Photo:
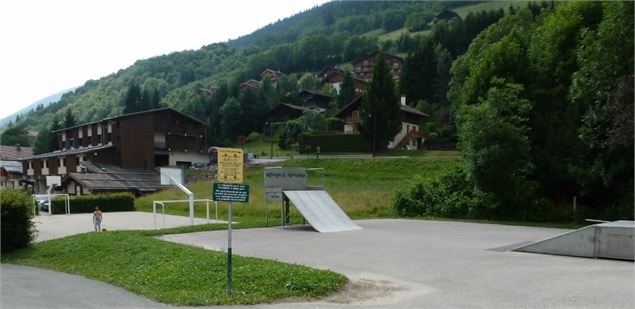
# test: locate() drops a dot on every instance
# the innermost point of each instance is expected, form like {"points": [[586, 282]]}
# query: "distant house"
{"points": [[250, 84], [284, 112], [10, 174], [11, 153], [142, 140], [409, 137], [447, 15], [335, 77], [363, 67], [315, 100], [272, 75]]}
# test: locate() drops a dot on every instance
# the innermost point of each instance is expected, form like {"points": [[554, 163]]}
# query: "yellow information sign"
{"points": [[230, 165]]}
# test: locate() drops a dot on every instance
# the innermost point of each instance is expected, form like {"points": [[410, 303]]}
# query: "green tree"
{"points": [[14, 135], [232, 119], [417, 80], [309, 81], [493, 136], [46, 140], [69, 119], [132, 100], [380, 114], [347, 90]]}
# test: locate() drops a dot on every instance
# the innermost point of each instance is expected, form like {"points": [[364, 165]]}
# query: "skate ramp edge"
{"points": [[611, 240]]}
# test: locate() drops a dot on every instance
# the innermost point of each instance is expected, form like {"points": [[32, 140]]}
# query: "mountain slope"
{"points": [[304, 42]]}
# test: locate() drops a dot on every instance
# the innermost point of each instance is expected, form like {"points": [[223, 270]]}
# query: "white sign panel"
{"points": [[174, 172], [286, 178], [53, 180]]}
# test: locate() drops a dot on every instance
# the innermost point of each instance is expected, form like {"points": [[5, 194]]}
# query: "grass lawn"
{"points": [[173, 273], [262, 147], [362, 187]]}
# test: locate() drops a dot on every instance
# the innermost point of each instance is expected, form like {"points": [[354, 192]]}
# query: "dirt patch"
{"points": [[366, 291]]}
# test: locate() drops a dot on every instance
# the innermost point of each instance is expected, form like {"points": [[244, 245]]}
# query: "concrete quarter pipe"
{"points": [[321, 211]]}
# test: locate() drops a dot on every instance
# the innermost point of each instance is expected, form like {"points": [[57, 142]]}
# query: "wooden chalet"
{"points": [[284, 112], [409, 137], [363, 67], [315, 100], [335, 78], [272, 75], [250, 84]]}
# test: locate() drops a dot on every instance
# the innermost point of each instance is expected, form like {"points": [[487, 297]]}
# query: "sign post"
{"points": [[230, 189]]}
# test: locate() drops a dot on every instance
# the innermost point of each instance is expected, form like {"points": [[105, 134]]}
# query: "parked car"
{"points": [[44, 205], [198, 165]]}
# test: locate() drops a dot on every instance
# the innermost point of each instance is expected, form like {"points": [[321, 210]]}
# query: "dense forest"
{"points": [[543, 102]]}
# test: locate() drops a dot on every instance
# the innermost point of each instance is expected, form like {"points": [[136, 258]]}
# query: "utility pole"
{"points": [[374, 134]]}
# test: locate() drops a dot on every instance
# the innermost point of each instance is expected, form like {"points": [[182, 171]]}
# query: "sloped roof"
{"points": [[315, 93], [150, 111], [375, 54], [106, 177], [69, 152], [357, 101], [12, 166], [14, 153]]}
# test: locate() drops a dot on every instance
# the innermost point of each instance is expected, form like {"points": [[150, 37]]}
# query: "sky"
{"points": [[49, 46]]}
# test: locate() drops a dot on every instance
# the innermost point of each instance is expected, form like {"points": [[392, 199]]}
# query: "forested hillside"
{"points": [[331, 34], [544, 109]]}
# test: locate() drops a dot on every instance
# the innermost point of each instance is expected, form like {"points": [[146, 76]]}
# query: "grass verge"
{"points": [[173, 273]]}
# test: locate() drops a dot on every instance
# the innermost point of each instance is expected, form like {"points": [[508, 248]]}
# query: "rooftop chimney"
{"points": [[403, 100]]}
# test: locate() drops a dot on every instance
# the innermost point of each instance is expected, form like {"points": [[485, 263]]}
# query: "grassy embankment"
{"points": [[173, 273], [362, 187]]}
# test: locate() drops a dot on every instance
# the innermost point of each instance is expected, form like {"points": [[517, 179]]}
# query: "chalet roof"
{"points": [[357, 101], [69, 152], [447, 15], [106, 177], [373, 55], [14, 152], [250, 83], [314, 92], [291, 106], [14, 167], [150, 111], [270, 71], [329, 71]]}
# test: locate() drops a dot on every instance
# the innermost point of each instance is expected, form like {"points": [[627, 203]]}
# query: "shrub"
{"points": [[450, 195], [335, 124], [18, 231], [107, 202], [252, 137]]}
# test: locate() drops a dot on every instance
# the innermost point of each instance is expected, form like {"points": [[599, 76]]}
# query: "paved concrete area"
{"points": [[391, 263], [434, 264], [56, 226], [28, 287]]}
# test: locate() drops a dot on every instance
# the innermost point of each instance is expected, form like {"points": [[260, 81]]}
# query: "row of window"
{"points": [[89, 141], [61, 162]]}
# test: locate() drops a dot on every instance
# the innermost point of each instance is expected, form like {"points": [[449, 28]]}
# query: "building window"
{"points": [[63, 145], [109, 137], [89, 140], [80, 142], [71, 142], [99, 139], [407, 128]]}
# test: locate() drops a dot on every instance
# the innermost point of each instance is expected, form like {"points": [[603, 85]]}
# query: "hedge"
{"points": [[18, 230], [333, 143], [106, 202]]}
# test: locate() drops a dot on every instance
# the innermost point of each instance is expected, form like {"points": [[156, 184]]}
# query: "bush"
{"points": [[106, 202], [335, 124], [18, 231], [451, 196], [252, 137], [333, 143]]}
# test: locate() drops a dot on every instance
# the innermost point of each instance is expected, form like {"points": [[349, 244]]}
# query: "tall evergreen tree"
{"points": [[156, 99], [132, 101], [69, 119], [232, 119], [146, 101], [380, 115], [419, 74], [347, 90], [46, 140]]}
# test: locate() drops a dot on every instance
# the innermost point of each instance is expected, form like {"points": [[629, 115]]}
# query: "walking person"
{"points": [[97, 216]]}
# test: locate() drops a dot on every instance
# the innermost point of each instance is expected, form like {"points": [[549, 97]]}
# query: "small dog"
{"points": [[103, 229]]}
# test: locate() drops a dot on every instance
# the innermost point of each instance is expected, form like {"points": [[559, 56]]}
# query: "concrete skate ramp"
{"points": [[321, 211], [611, 240]]}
